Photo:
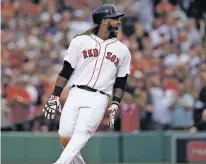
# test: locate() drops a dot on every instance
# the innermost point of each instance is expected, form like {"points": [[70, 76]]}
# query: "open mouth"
{"points": [[116, 28]]}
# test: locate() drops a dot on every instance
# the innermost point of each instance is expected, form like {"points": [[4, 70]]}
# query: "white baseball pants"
{"points": [[82, 113]]}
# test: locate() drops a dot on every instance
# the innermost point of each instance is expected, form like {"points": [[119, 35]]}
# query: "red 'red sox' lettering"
{"points": [[94, 53], [113, 58], [90, 53], [109, 54]]}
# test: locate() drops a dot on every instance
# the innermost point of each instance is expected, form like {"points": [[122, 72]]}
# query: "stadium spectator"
{"points": [[161, 101], [5, 120], [19, 102], [200, 103], [182, 114], [201, 125], [130, 114], [143, 100]]}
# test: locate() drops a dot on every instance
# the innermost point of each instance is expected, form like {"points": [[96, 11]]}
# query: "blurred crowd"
{"points": [[167, 41]]}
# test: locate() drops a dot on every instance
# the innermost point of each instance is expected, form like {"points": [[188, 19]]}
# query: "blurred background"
{"points": [[166, 91]]}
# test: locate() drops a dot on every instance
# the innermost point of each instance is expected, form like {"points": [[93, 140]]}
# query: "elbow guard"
{"points": [[66, 71], [121, 82]]}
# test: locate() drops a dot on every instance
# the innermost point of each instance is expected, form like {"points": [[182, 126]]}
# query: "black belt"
{"points": [[88, 88]]}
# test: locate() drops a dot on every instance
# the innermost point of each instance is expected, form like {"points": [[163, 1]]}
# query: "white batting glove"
{"points": [[51, 106], [112, 112]]}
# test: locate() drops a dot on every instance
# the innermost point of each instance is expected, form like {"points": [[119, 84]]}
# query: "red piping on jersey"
{"points": [[102, 61], [96, 60]]}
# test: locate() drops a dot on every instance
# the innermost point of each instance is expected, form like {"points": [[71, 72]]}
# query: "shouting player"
{"points": [[96, 66]]}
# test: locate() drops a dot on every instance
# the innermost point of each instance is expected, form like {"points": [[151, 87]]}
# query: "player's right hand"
{"points": [[51, 106]]}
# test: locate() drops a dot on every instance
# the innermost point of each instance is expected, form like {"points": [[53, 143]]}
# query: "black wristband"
{"points": [[116, 100], [57, 91]]}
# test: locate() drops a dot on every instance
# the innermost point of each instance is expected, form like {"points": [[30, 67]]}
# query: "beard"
{"points": [[112, 31]]}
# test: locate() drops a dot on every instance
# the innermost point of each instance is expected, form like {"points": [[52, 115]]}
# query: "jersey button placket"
{"points": [[98, 65], [96, 72]]}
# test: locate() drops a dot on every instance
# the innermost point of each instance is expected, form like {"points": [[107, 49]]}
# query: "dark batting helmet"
{"points": [[105, 11]]}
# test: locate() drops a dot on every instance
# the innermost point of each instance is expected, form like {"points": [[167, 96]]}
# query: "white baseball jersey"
{"points": [[96, 62]]}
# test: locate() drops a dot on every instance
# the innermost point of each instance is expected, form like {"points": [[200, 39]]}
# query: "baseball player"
{"points": [[96, 66]]}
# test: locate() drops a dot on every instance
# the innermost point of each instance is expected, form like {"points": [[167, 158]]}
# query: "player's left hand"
{"points": [[112, 112]]}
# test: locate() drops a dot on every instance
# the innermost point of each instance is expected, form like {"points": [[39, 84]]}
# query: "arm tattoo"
{"points": [[118, 92], [60, 84], [61, 81], [117, 96]]}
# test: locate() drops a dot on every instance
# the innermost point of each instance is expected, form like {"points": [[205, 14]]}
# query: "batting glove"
{"points": [[51, 106], [112, 112]]}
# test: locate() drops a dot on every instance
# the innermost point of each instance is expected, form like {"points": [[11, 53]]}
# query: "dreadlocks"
{"points": [[93, 30]]}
